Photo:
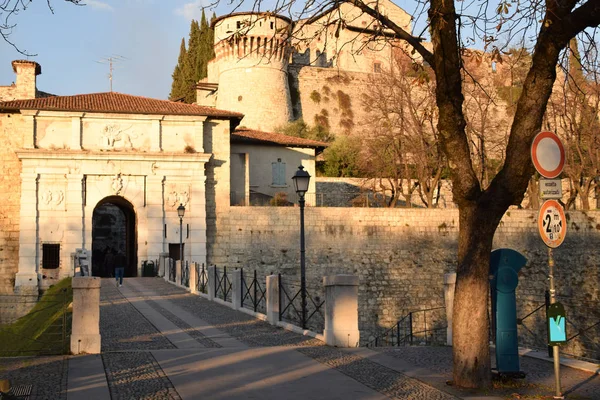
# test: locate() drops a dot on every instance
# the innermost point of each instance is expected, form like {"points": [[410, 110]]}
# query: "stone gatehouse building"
{"points": [[93, 173]]}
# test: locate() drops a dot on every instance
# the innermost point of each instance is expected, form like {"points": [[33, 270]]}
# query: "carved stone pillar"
{"points": [[74, 220], [155, 215], [26, 280]]}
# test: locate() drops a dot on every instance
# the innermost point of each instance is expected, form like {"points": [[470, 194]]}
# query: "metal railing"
{"points": [[253, 295], [417, 327], [172, 275], [365, 199], [201, 278], [185, 274], [290, 306], [533, 332], [223, 286]]}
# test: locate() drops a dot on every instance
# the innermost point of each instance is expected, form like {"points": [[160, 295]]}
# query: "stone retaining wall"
{"points": [[401, 255]]}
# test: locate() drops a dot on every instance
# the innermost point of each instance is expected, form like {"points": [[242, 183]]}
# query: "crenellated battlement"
{"points": [[252, 52], [262, 48]]}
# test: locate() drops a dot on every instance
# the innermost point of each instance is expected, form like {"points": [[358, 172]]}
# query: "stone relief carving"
{"points": [[117, 184], [50, 199], [175, 198], [113, 136]]}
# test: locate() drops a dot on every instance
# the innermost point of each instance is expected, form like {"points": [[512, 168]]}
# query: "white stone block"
{"points": [[449, 285], [273, 299], [85, 333], [341, 310]]}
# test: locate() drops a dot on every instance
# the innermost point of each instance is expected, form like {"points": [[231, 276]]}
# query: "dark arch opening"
{"points": [[114, 228]]}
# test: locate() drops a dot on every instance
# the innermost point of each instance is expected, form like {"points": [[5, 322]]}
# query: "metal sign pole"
{"points": [[555, 349]]}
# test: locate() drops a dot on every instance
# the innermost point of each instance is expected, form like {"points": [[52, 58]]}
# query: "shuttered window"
{"points": [[278, 173]]}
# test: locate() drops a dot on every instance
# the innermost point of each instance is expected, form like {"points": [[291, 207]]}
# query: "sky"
{"points": [[72, 43]]}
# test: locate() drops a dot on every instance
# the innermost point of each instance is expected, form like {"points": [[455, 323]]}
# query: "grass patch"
{"points": [[45, 329]]}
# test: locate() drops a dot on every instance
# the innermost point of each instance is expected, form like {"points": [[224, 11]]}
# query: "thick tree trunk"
{"points": [[470, 319]]}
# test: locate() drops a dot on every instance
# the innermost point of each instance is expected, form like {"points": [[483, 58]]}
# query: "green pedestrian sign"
{"points": [[557, 324]]}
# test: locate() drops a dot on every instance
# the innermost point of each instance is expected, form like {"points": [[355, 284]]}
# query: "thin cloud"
{"points": [[191, 10], [98, 5]]}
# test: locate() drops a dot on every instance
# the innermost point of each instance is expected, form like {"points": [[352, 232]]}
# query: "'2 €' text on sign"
{"points": [[552, 223]]}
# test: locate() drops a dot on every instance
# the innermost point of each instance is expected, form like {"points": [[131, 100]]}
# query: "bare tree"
{"points": [[9, 12], [400, 144], [573, 113], [548, 26]]}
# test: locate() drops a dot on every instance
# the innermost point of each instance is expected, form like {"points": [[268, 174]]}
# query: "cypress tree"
{"points": [[193, 62], [189, 70], [178, 85]]}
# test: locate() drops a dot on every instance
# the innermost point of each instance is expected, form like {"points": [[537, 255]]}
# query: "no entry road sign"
{"points": [[548, 154], [552, 223]]}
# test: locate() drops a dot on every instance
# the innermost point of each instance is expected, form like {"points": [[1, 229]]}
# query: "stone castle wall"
{"points": [[10, 198], [328, 96], [401, 256]]}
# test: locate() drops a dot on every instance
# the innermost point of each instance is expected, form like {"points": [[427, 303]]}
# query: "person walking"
{"points": [[120, 269]]}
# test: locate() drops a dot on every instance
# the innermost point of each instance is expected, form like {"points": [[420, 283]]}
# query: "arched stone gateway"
{"points": [[114, 229]]}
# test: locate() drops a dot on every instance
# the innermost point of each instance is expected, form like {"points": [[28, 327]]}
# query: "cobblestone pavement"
{"points": [[384, 380], [181, 324], [243, 327], [137, 375], [48, 375], [539, 381], [122, 327], [256, 333]]}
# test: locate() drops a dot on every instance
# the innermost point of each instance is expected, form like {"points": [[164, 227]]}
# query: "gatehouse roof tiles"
{"points": [[244, 135], [114, 102]]}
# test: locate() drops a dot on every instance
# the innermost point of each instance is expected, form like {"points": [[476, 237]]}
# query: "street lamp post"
{"points": [[301, 179], [181, 213]]}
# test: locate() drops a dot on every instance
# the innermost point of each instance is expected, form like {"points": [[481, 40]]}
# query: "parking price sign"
{"points": [[552, 223]]}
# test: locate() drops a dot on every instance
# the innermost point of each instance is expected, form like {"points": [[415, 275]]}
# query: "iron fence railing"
{"points": [[53, 339], [253, 293], [290, 306], [171, 270], [185, 274], [426, 326], [201, 278], [581, 341], [223, 286]]}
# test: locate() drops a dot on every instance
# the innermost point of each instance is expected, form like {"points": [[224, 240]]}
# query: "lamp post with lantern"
{"points": [[301, 180], [181, 213]]}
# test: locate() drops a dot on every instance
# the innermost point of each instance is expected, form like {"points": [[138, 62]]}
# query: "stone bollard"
{"points": [[449, 285], [85, 333], [210, 282], [236, 288], [193, 278], [178, 273], [341, 310], [162, 265], [273, 299]]}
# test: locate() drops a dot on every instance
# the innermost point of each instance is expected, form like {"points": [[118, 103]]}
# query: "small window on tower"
{"points": [[50, 255], [271, 25], [238, 25], [377, 67]]}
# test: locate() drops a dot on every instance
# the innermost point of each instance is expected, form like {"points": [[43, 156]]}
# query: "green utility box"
{"points": [[504, 268]]}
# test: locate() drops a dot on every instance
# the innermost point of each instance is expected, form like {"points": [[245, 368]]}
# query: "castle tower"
{"points": [[251, 60]]}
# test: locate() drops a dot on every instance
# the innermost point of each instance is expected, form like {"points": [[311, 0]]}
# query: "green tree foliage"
{"points": [[192, 64], [299, 128], [341, 157], [178, 85]]}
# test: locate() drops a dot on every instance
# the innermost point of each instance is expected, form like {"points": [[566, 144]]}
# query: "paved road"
{"points": [[158, 342]]}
